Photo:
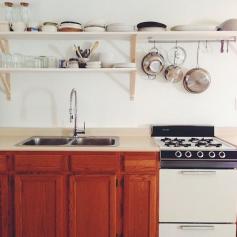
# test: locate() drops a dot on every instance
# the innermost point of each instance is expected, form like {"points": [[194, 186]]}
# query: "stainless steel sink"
{"points": [[95, 141], [46, 141], [70, 141]]}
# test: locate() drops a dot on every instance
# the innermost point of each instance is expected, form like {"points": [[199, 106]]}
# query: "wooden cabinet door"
{"points": [[140, 209], [4, 206], [40, 206], [93, 206]]}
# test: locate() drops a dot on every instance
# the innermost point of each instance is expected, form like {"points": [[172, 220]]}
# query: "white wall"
{"points": [[43, 99]]}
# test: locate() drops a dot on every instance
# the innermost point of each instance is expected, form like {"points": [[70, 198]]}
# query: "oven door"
{"points": [[198, 195], [197, 230]]}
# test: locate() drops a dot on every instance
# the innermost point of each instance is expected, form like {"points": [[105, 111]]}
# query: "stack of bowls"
{"points": [[95, 26], [70, 26], [151, 26], [120, 27]]}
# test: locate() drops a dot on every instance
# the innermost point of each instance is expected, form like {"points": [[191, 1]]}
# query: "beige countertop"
{"points": [[130, 139]]}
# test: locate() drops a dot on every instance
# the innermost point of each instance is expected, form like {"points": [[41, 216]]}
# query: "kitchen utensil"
{"points": [[194, 28], [174, 73], [228, 25], [153, 63], [151, 26], [93, 47], [78, 53], [177, 54], [197, 80]]}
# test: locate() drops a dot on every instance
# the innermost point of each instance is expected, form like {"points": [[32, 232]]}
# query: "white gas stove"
{"points": [[181, 144]]}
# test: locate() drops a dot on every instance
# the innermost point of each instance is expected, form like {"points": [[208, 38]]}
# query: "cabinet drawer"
{"points": [[42, 163], [140, 162], [3, 163], [95, 162]]}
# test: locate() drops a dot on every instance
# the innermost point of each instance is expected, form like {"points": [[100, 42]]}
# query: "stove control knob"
{"points": [[222, 154], [212, 154], [178, 154], [188, 154], [200, 154]]}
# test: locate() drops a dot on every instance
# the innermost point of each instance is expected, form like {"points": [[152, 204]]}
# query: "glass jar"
{"points": [[8, 11], [24, 12]]}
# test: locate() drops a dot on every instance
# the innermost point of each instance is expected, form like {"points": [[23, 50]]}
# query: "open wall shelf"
{"points": [[133, 37]]}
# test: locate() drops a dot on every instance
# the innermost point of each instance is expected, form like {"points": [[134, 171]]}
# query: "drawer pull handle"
{"points": [[194, 172], [197, 227]]}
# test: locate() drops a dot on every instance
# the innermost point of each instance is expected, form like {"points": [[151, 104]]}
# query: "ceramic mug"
{"points": [[18, 26]]}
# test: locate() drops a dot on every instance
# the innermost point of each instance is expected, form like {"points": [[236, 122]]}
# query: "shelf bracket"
{"points": [[133, 56], [5, 77]]}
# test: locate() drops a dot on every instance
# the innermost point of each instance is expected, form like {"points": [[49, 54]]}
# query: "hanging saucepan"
{"points": [[197, 80], [174, 72], [153, 63]]}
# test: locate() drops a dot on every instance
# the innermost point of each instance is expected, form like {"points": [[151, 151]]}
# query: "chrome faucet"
{"points": [[74, 114]]}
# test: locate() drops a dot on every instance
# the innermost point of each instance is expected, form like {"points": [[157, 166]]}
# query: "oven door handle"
{"points": [[198, 172], [197, 227]]}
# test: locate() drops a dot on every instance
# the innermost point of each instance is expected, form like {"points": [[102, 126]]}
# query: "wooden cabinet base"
{"points": [[39, 206]]}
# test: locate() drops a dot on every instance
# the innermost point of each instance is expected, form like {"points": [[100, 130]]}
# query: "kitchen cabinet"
{"points": [[140, 194], [140, 206], [4, 197], [93, 205], [40, 206], [74, 194], [4, 206]]}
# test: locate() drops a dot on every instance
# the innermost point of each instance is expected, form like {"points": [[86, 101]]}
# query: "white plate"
{"points": [[124, 65], [94, 29], [194, 28], [151, 29]]}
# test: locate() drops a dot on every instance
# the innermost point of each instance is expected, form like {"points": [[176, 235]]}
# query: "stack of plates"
{"points": [[194, 28], [70, 26], [95, 26], [94, 64], [124, 65], [151, 26], [120, 27]]}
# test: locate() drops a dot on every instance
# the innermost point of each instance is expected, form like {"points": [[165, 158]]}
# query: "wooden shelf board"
{"points": [[12, 70], [163, 35]]}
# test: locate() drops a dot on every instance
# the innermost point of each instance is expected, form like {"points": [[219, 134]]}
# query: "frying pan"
{"points": [[197, 80]]}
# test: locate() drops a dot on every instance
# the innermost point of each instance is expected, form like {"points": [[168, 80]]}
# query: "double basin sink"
{"points": [[70, 141]]}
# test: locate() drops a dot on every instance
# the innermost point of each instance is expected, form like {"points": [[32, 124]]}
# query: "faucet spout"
{"points": [[74, 114]]}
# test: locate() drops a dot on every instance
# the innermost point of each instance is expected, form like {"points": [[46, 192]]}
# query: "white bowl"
{"points": [[94, 29], [152, 29], [229, 25]]}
